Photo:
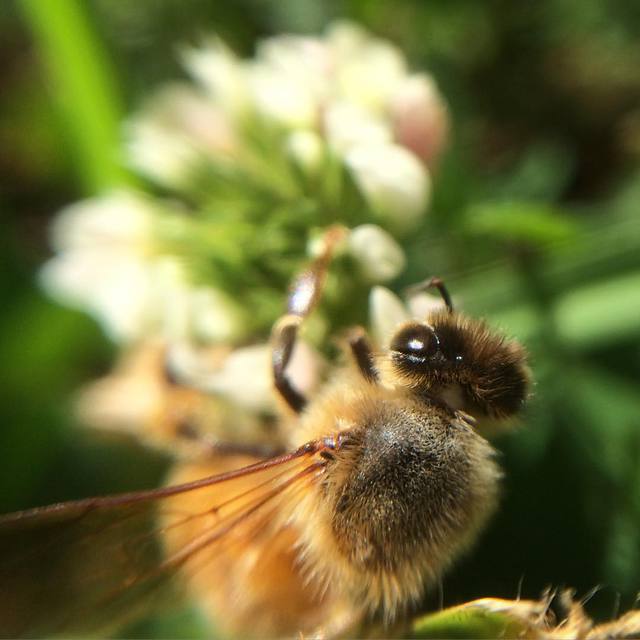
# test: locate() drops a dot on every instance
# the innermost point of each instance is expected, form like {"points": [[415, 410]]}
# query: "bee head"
{"points": [[452, 352]]}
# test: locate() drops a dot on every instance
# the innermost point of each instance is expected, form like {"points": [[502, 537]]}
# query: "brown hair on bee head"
{"points": [[450, 349]]}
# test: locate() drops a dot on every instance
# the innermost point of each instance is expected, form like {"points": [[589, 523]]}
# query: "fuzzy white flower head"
{"points": [[345, 101], [108, 264], [156, 153], [351, 90], [378, 255]]}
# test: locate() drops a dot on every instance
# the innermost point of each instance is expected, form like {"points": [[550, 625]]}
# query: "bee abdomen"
{"points": [[418, 487]]}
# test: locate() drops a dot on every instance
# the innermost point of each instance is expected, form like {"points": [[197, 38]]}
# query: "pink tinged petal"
{"points": [[197, 117], [419, 117], [252, 391]]}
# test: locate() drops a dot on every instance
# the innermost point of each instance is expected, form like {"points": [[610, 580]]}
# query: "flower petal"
{"points": [[394, 182], [386, 312], [379, 256], [419, 117]]}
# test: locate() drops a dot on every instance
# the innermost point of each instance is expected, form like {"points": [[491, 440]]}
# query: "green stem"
{"points": [[84, 85]]}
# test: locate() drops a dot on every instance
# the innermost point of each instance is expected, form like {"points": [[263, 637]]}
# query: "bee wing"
{"points": [[89, 565]]}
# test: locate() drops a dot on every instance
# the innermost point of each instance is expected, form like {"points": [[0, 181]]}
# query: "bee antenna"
{"points": [[431, 283]]}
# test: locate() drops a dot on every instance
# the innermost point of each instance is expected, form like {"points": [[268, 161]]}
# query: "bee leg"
{"points": [[305, 293], [284, 339], [363, 354]]}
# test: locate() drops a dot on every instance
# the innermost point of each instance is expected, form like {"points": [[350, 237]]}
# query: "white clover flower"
{"points": [[387, 311], [378, 255], [355, 93], [109, 264], [393, 180], [344, 101]]}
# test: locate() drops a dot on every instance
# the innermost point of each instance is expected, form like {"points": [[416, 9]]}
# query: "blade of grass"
{"points": [[84, 86]]}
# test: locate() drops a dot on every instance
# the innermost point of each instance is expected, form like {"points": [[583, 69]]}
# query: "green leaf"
{"points": [[532, 223], [600, 313], [84, 84], [475, 620]]}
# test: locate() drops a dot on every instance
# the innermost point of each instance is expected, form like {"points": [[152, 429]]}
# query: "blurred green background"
{"points": [[535, 224]]}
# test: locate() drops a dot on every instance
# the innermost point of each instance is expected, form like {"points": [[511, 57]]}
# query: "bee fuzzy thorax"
{"points": [[406, 491]]}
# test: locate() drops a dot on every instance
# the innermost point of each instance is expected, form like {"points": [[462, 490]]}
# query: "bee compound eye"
{"points": [[417, 342]]}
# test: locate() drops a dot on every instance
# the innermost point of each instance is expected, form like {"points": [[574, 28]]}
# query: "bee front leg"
{"points": [[363, 354], [305, 293], [285, 333]]}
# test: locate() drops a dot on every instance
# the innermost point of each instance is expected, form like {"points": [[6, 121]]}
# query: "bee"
{"points": [[386, 482]]}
